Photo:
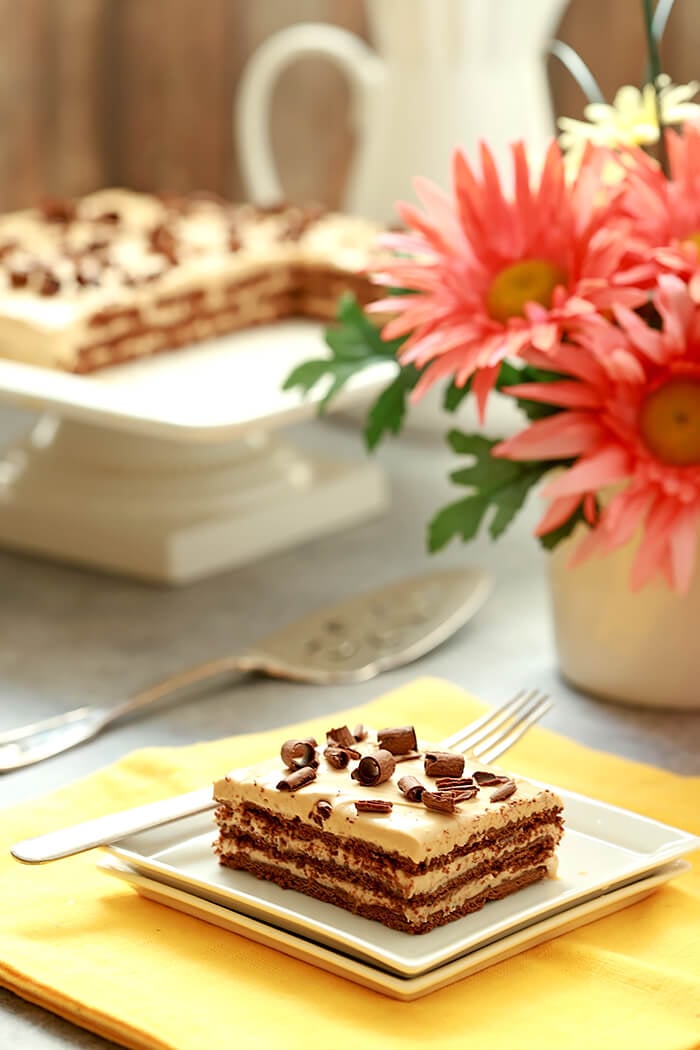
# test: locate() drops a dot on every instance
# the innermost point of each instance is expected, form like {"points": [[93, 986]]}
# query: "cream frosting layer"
{"points": [[307, 855], [410, 829], [99, 262], [415, 912]]}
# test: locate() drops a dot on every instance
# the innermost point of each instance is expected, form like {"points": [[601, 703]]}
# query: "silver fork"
{"points": [[487, 737]]}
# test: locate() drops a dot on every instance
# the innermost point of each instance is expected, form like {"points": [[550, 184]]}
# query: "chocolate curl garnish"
{"points": [[374, 805], [464, 794], [298, 779], [19, 278], [442, 801], [275, 208], [486, 779], [298, 753], [360, 732], [337, 757], [412, 788], [374, 769], [408, 756], [398, 739], [455, 783], [321, 812], [162, 241], [340, 737], [57, 209], [505, 791], [50, 284], [443, 764]]}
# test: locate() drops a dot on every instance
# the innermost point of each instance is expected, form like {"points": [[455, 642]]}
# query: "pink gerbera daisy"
{"points": [[492, 274], [665, 210], [631, 420]]}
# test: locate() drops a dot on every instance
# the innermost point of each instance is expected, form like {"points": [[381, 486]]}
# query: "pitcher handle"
{"points": [[252, 106]]}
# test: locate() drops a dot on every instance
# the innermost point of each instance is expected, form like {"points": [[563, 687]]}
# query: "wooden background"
{"points": [[138, 92]]}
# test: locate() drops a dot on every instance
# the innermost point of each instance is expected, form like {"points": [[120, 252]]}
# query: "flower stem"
{"points": [[654, 74]]}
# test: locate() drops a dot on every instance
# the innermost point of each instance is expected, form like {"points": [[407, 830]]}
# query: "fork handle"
{"points": [[30, 744], [102, 830]]}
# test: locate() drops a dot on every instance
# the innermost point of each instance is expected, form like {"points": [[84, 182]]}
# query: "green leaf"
{"points": [[462, 519], [469, 444], [510, 375], [511, 499], [455, 395], [354, 327], [387, 414], [355, 344], [551, 539], [499, 488], [306, 375]]}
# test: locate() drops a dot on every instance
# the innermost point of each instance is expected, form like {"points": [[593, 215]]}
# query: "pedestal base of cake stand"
{"points": [[169, 512]]}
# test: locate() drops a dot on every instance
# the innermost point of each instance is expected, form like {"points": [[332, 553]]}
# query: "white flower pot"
{"points": [[639, 647]]}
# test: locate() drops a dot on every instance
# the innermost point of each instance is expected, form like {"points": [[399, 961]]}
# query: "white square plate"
{"points": [[603, 848], [396, 987]]}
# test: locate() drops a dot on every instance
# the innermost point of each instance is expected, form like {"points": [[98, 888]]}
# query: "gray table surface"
{"points": [[70, 637]]}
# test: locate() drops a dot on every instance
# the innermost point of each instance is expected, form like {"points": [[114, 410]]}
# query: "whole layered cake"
{"points": [[118, 275], [410, 836]]}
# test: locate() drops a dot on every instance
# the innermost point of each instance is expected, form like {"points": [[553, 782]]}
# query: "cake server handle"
{"points": [[33, 743], [102, 830]]}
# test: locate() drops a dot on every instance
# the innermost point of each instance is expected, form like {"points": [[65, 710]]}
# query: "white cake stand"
{"points": [[167, 469]]}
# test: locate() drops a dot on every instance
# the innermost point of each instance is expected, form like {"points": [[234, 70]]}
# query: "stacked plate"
{"points": [[609, 858]]}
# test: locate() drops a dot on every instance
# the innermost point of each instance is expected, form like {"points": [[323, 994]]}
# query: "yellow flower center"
{"points": [[693, 238], [530, 281], [669, 422]]}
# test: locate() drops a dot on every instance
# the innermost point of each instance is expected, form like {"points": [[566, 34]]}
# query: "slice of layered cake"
{"points": [[118, 275], [410, 836]]}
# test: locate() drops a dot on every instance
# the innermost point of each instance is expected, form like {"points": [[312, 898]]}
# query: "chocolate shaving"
{"points": [[455, 783], [337, 757], [486, 779], [398, 739], [374, 805], [298, 779], [340, 737], [408, 756], [163, 242], [19, 278], [443, 764], [442, 801], [271, 209], [374, 769], [57, 209], [299, 753], [321, 811], [465, 794], [505, 791], [50, 284], [360, 732], [412, 788], [206, 196]]}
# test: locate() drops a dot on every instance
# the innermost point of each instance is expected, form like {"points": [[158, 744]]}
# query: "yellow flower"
{"points": [[631, 120]]}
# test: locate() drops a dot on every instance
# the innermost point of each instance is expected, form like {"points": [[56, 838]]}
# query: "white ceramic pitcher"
{"points": [[444, 73]]}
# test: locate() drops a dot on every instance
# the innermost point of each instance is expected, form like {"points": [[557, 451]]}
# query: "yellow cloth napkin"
{"points": [[75, 940]]}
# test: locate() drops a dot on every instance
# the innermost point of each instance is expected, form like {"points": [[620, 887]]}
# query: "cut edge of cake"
{"points": [[397, 832]]}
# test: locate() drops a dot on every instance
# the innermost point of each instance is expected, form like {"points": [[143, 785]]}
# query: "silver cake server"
{"points": [[352, 641]]}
